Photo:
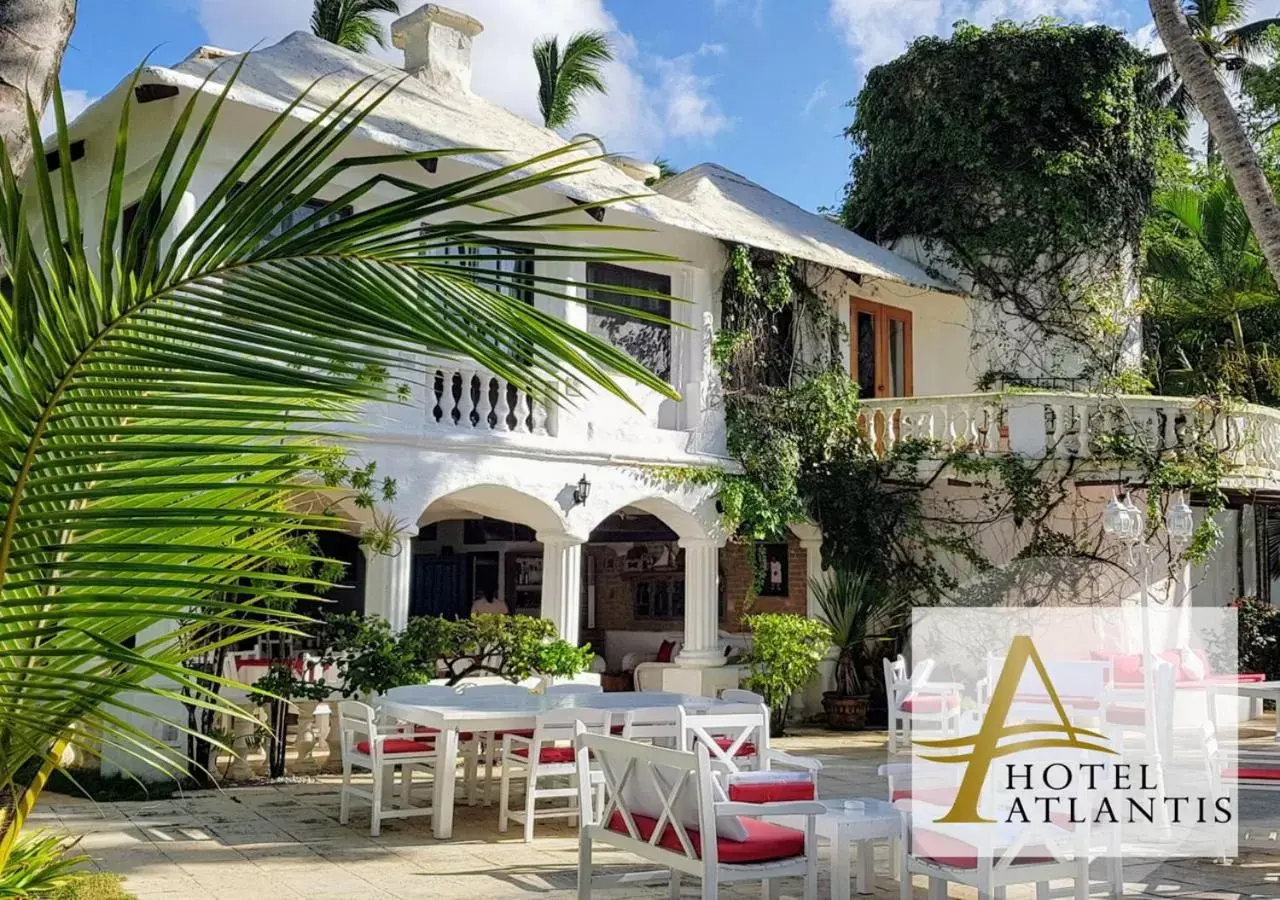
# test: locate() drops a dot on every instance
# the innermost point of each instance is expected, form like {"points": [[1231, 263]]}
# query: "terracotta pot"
{"points": [[620, 682], [845, 713]]}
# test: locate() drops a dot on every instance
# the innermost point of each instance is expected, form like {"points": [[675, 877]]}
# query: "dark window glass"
{"points": [[515, 261], [648, 343], [866, 354]]}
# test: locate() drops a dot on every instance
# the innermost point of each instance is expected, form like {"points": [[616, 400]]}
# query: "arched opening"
{"points": [[635, 589], [477, 550]]}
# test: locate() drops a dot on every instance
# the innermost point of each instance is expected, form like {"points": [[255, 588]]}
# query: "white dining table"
{"points": [[479, 713]]}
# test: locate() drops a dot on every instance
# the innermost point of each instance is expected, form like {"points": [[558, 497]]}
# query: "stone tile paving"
{"points": [[284, 841]]}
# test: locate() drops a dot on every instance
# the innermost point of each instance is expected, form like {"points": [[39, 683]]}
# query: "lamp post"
{"points": [[1124, 521]]}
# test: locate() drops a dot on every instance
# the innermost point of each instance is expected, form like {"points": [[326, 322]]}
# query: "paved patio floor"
{"points": [[271, 842]]}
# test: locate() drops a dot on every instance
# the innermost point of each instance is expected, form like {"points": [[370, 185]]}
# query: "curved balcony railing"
{"points": [[1079, 426]]}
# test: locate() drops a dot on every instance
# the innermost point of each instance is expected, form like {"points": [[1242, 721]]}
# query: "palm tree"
{"points": [[1230, 42], [33, 36], [351, 23], [1195, 69], [565, 76], [665, 171], [1204, 257], [170, 391]]}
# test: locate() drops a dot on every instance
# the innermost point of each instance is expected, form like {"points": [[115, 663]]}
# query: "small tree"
{"points": [[786, 650]]}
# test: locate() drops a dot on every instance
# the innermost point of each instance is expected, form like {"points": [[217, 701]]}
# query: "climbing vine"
{"points": [[1019, 161]]}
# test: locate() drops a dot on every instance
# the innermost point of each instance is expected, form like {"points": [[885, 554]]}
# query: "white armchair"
{"points": [[648, 672]]}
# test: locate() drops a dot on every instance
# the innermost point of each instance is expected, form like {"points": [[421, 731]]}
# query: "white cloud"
{"points": [[818, 95], [1146, 39], [74, 102], [879, 30], [651, 98], [752, 9]]}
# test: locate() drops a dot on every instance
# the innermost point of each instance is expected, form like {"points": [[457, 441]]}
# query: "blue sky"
{"points": [[759, 86]]}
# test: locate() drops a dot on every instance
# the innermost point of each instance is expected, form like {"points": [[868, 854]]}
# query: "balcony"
{"points": [[457, 405], [1063, 426]]}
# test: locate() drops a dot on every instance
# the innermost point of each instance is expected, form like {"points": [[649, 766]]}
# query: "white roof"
{"points": [[417, 116], [742, 211]]}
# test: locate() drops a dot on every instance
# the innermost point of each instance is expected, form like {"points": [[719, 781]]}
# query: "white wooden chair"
{"points": [[367, 746], [737, 739], [659, 804], [659, 725], [547, 753], [485, 744], [910, 698]]}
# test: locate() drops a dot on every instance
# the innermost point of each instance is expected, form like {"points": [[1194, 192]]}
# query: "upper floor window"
{"points": [[499, 259], [648, 343]]}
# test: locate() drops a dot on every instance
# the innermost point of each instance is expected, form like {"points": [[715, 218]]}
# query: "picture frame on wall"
{"points": [[776, 570]]}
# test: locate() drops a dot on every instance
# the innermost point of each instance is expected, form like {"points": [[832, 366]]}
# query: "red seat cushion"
{"points": [[949, 851], [938, 796], [765, 841], [665, 649], [747, 749], [1126, 668], [1253, 773], [548, 754], [929, 703], [398, 745], [771, 791], [1126, 715]]}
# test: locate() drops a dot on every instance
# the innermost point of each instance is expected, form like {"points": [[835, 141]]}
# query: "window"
{"points": [[131, 218], [880, 349], [304, 212], [658, 598], [514, 261], [648, 343]]}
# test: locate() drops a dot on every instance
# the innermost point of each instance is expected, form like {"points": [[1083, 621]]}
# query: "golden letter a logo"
{"points": [[986, 746]]}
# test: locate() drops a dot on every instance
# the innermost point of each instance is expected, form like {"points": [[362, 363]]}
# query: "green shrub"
{"points": [[40, 865], [786, 650]]}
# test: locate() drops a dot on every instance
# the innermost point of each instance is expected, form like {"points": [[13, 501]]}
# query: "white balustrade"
{"points": [[465, 398], [1074, 426]]}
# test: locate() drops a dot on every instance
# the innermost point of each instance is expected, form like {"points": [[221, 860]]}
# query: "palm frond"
{"points": [[565, 76], [352, 24], [164, 394]]}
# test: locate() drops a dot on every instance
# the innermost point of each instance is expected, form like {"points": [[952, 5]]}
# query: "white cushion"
{"points": [[640, 796]]}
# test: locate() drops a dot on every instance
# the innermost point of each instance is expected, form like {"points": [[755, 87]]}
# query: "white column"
{"points": [[562, 583], [701, 648], [814, 574], [808, 701], [386, 581]]}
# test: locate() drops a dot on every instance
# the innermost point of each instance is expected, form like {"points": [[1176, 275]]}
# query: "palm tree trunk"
{"points": [[33, 35], [1196, 71]]}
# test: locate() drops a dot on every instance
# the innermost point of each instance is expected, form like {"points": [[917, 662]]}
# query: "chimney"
{"points": [[436, 42]]}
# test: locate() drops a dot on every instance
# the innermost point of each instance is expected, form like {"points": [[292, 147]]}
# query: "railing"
{"points": [[1079, 426], [465, 398]]}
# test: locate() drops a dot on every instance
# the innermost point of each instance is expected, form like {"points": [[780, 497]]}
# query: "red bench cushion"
{"points": [[665, 651], [771, 791], [398, 745], [548, 754], [1254, 773], [929, 703], [765, 841]]}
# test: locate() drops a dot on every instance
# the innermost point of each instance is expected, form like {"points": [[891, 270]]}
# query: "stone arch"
{"points": [[688, 524], [497, 501]]}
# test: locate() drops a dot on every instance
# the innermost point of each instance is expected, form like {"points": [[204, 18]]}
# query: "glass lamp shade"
{"points": [[1134, 523], [1113, 516], [1180, 521]]}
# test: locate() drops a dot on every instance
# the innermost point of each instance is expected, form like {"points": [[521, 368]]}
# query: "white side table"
{"points": [[876, 821]]}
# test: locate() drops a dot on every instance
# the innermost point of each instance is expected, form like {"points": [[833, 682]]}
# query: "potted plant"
{"points": [[786, 651], [860, 611]]}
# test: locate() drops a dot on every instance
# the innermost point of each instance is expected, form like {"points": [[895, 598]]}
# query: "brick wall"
{"points": [[614, 589], [737, 572]]}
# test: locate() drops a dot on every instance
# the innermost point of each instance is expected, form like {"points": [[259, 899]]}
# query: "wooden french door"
{"points": [[880, 349]]}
